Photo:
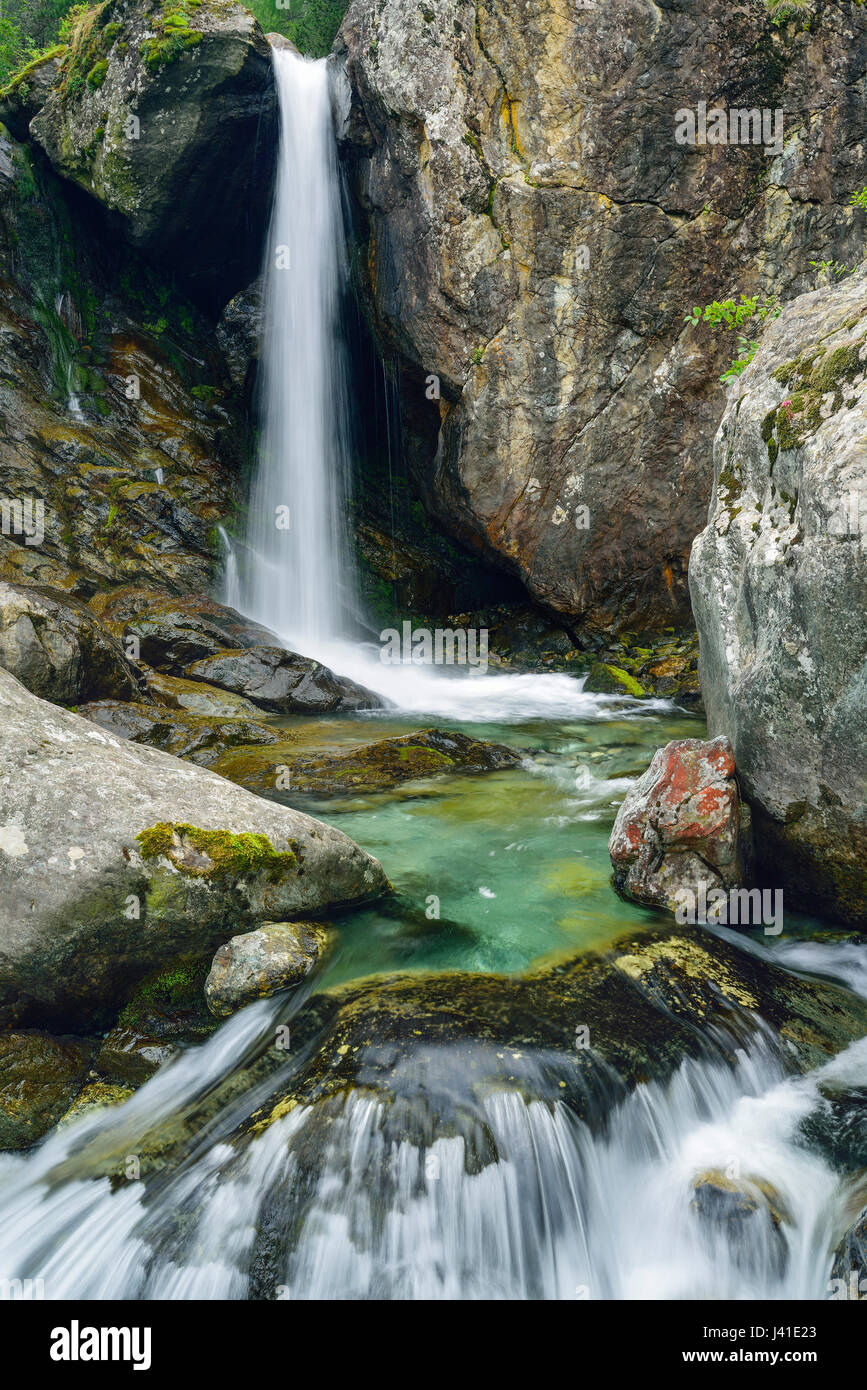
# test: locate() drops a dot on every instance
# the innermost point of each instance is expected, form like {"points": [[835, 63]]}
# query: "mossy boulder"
{"points": [[604, 679], [115, 858], [40, 1076], [165, 1013], [170, 631], [582, 1031], [196, 697], [282, 772], [166, 114]]}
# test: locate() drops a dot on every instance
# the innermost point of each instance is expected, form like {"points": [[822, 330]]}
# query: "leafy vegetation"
{"points": [[310, 24], [731, 315]]}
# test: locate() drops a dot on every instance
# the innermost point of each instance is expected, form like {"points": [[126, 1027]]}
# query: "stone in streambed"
{"points": [[679, 827], [57, 648], [115, 858], [197, 738], [651, 1001], [372, 767], [282, 682], [604, 679], [97, 1095], [276, 956], [40, 1076], [196, 697]]}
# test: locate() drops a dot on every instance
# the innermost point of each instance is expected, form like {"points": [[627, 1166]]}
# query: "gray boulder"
{"points": [[191, 176], [115, 858], [276, 956], [779, 588], [56, 647], [282, 682]]}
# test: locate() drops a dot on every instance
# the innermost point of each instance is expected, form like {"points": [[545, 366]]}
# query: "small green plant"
{"points": [[731, 314], [859, 199], [781, 11], [834, 269]]}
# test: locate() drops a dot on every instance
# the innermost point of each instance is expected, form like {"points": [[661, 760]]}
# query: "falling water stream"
{"points": [[327, 1200]]}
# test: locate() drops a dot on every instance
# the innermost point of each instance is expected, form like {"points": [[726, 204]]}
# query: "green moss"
{"points": [[15, 84], [731, 483], [171, 988], [226, 854], [96, 76]]}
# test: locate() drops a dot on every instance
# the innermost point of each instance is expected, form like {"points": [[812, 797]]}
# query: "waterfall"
{"points": [[296, 580], [331, 1202]]}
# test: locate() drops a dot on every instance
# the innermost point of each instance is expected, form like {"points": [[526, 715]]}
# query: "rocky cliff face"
{"points": [[533, 234], [779, 589], [121, 437]]}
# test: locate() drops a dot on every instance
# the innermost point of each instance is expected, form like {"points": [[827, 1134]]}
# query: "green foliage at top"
{"points": [[29, 29], [728, 314], [310, 24]]}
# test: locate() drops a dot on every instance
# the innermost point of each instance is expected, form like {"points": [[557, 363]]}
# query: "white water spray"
{"points": [[296, 581]]}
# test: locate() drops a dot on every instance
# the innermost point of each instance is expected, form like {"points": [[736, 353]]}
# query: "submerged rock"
{"points": [[276, 956], [97, 1095], [115, 858], [40, 1076], [582, 1031], [281, 772], [169, 119], [55, 647], [282, 682], [678, 830], [779, 588]]}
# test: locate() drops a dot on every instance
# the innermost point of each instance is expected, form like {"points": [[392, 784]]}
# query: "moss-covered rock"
{"points": [[40, 1076], [199, 738], [183, 95], [281, 772], [603, 679], [116, 858]]}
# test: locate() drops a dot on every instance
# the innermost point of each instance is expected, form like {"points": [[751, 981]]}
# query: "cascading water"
{"points": [[328, 1200], [329, 1203], [297, 580]]}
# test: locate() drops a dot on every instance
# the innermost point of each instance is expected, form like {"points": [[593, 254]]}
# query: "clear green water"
{"points": [[518, 860]]}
